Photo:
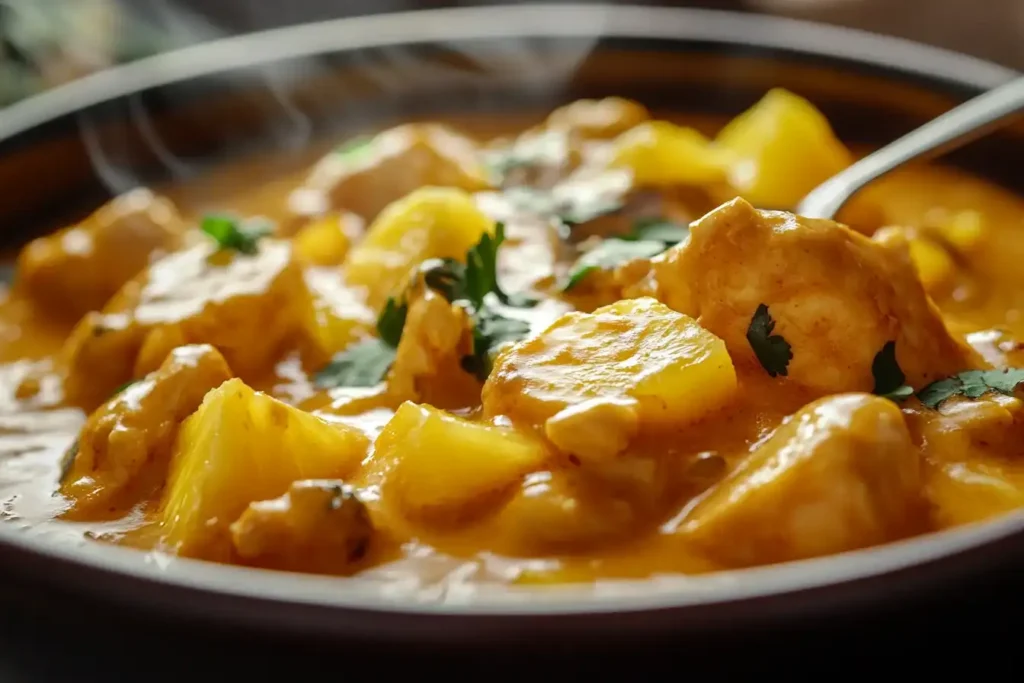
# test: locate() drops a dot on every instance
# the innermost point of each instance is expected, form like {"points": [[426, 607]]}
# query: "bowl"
{"points": [[176, 116]]}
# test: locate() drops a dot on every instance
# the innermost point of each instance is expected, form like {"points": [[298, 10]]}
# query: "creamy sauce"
{"points": [[984, 302]]}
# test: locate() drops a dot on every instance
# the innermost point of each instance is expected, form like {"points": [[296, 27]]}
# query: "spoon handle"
{"points": [[955, 128]]}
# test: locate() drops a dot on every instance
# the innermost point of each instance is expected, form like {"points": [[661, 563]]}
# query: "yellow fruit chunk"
{"points": [[783, 149], [663, 154], [674, 369], [242, 446], [326, 240], [436, 464], [432, 222]]}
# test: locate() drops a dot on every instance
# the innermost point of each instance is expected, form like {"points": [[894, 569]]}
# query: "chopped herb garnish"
{"points": [[475, 279], [367, 363], [773, 352], [609, 254], [362, 365], [355, 149], [229, 232], [649, 237], [889, 377], [391, 321], [490, 331], [972, 384], [545, 149]]}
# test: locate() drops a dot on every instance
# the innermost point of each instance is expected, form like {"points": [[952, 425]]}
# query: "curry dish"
{"points": [[599, 347]]}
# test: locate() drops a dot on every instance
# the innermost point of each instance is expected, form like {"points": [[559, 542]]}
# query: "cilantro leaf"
{"points": [[649, 237], [124, 386], [356, 149], [391, 321], [609, 254], [366, 363], [886, 370], [230, 232], [362, 365], [658, 229], [972, 384], [490, 332], [772, 351]]}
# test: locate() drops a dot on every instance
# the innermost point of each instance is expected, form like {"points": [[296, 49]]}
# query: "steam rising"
{"points": [[128, 149]]}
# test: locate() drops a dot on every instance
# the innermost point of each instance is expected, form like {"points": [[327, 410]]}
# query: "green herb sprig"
{"points": [[647, 238], [772, 350], [470, 283], [229, 232]]}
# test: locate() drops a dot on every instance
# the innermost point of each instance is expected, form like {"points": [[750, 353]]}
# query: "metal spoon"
{"points": [[955, 128]]}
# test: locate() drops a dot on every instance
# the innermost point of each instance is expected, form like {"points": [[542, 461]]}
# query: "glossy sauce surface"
{"points": [[672, 499]]}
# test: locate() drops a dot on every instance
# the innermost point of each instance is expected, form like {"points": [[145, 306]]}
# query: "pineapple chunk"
{"points": [[663, 154], [242, 446], [431, 222], [783, 149], [437, 466], [639, 349], [326, 240], [965, 492], [840, 474]]}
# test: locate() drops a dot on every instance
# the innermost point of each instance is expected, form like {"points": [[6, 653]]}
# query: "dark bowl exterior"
{"points": [[285, 87]]}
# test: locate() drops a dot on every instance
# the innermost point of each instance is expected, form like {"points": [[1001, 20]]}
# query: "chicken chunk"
{"points": [[661, 367], [78, 269], [133, 432], [974, 450], [840, 474], [367, 177], [319, 525], [436, 336], [836, 296], [598, 119], [245, 305]]}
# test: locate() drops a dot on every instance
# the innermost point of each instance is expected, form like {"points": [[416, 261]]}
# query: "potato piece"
{"points": [[242, 446], [369, 176], [438, 467], [76, 270], [432, 222], [598, 119], [676, 371], [840, 474], [326, 240], [934, 264], [662, 154], [247, 306], [738, 258], [783, 148], [319, 525], [133, 432]]}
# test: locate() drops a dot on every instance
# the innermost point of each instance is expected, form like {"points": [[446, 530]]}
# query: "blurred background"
{"points": [[47, 42]]}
